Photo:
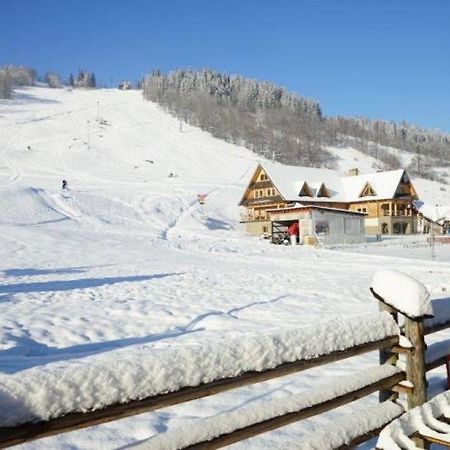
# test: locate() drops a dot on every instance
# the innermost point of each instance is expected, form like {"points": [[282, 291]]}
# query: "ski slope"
{"points": [[127, 261]]}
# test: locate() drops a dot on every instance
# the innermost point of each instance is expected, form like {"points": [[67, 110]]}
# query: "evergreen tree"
{"points": [[92, 81]]}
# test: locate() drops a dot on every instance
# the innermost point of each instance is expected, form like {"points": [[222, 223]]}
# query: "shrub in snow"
{"points": [[403, 293]]}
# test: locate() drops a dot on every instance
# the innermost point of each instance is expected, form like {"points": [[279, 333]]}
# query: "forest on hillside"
{"points": [[274, 122]]}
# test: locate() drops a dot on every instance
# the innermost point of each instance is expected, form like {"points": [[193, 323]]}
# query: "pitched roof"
{"points": [[434, 213], [290, 179]]}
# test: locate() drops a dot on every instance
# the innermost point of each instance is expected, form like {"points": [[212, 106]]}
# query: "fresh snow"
{"points": [[126, 264], [422, 419], [403, 292], [120, 376], [207, 429]]}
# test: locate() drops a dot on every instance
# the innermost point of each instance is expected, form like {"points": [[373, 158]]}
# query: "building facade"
{"points": [[386, 198]]}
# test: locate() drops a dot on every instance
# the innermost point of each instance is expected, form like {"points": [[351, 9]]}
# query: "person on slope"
{"points": [[64, 184]]}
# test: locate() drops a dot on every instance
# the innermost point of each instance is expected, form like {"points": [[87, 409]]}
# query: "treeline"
{"points": [[84, 79], [271, 120], [12, 76], [258, 115], [431, 147]]}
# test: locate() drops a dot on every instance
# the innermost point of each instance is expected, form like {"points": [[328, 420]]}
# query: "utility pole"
{"points": [[88, 136], [273, 156]]}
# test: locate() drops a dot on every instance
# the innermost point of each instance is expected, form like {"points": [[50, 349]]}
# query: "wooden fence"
{"points": [[389, 388]]}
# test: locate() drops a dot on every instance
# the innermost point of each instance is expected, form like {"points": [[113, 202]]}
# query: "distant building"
{"points": [[125, 85], [435, 216], [386, 198]]}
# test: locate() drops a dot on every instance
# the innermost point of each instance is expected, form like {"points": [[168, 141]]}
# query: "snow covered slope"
{"points": [[127, 261]]}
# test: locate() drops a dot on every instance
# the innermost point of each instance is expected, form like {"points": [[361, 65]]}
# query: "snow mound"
{"points": [[396, 435], [211, 427], [101, 380], [403, 293]]}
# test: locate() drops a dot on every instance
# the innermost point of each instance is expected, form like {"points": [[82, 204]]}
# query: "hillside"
{"points": [[127, 263], [275, 122]]}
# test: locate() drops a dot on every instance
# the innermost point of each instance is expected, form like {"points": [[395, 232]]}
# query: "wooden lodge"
{"points": [[386, 198]]}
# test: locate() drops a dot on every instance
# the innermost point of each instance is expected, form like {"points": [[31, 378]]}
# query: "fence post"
{"points": [[415, 362], [386, 354], [415, 368]]}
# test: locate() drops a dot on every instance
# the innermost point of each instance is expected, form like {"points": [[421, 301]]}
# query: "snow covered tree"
{"points": [[52, 79], [5, 83]]}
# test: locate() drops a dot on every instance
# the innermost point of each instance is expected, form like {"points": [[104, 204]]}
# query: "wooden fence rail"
{"points": [[28, 432], [389, 389]]}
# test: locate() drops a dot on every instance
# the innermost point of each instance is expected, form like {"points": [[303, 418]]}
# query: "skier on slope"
{"points": [[64, 184]]}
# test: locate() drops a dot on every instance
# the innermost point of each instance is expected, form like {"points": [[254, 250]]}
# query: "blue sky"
{"points": [[377, 58]]}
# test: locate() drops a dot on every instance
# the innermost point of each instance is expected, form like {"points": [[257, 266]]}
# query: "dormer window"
{"points": [[323, 191], [305, 191], [368, 191]]}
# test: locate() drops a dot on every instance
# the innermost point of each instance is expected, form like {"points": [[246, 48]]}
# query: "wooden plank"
{"points": [[401, 350], [402, 389], [277, 422], [436, 363], [365, 437], [73, 421], [387, 356], [431, 439], [437, 327]]}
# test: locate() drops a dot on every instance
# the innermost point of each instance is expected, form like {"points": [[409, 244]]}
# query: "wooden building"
{"points": [[386, 198]]}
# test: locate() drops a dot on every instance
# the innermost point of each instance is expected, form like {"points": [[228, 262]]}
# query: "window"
{"points": [[305, 191], [368, 191], [256, 194], [263, 177], [265, 229], [323, 191], [322, 227]]}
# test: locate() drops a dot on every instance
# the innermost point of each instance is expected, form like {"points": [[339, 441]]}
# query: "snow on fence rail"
{"points": [[38, 409]]}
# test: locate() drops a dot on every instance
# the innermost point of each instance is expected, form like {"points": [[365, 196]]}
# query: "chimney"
{"points": [[353, 172]]}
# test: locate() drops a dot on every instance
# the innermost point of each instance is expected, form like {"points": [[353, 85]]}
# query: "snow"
{"points": [[35, 394], [422, 419], [127, 263], [289, 180], [207, 429], [403, 292]]}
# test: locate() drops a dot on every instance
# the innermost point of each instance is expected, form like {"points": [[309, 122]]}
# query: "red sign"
{"points": [[201, 198]]}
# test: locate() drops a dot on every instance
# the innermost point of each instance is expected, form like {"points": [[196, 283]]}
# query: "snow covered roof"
{"points": [[435, 213], [290, 179]]}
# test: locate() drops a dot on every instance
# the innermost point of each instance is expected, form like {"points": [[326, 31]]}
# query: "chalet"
{"points": [[386, 198]]}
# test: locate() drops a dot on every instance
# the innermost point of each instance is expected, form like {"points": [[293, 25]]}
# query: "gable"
{"points": [[260, 188], [305, 191], [405, 188], [323, 191], [368, 191]]}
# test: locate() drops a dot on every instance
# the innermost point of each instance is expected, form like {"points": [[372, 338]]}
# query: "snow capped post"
{"points": [[400, 293]]}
